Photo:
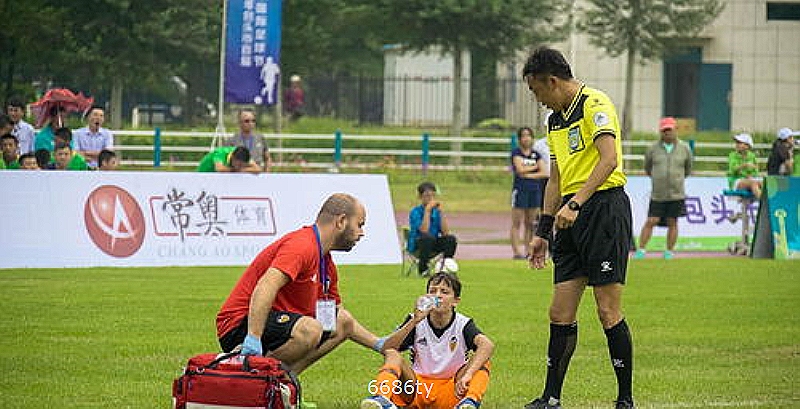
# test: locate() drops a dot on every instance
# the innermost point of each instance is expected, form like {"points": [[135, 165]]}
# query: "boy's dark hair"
{"points": [[104, 156], [62, 145], [547, 61], [524, 128], [426, 187], [24, 156], [9, 136], [241, 153], [15, 101], [64, 133], [450, 279], [42, 157]]}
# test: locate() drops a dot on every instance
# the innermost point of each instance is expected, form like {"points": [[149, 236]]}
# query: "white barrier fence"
{"points": [[497, 148]]}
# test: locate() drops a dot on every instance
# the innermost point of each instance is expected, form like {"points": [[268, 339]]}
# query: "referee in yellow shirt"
{"points": [[586, 202]]}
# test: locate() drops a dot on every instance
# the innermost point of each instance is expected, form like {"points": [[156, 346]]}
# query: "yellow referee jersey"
{"points": [[571, 134]]}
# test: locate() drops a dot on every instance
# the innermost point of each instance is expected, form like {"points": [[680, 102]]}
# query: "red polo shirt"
{"points": [[296, 255]]}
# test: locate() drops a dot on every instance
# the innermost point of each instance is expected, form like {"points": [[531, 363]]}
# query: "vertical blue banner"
{"points": [[252, 51]]}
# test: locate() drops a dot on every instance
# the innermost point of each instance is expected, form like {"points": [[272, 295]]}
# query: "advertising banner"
{"points": [[252, 51], [83, 219], [707, 225]]}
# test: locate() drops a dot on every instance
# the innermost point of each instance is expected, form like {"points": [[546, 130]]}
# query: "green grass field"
{"points": [[707, 333]]}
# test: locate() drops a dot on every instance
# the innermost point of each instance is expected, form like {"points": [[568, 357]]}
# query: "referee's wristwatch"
{"points": [[573, 205]]}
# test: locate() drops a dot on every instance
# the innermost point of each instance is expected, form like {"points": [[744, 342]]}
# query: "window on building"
{"points": [[783, 11]]}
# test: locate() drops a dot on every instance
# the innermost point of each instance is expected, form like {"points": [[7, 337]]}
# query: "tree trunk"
{"points": [[116, 103], [627, 108], [456, 147], [628, 104]]}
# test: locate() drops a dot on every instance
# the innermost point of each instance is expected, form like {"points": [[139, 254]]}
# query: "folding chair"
{"points": [[411, 259], [746, 198]]}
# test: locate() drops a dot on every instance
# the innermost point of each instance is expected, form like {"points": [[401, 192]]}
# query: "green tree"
{"points": [[30, 40], [139, 44], [106, 46], [499, 28], [644, 30], [329, 38]]}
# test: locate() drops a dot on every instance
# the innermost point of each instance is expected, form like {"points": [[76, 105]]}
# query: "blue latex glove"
{"points": [[251, 346]]}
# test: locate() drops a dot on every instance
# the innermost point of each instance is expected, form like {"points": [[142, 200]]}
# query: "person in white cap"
{"points": [[742, 166], [781, 159]]}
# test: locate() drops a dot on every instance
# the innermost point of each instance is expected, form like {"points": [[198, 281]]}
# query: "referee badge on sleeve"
{"points": [[600, 119]]}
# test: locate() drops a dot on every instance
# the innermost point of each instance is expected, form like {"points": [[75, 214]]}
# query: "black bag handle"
{"points": [[213, 364]]}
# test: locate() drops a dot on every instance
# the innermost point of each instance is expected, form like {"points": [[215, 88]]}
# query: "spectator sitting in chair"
{"points": [[742, 166], [429, 233]]}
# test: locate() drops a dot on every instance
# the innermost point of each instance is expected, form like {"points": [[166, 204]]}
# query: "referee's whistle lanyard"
{"points": [[323, 267]]}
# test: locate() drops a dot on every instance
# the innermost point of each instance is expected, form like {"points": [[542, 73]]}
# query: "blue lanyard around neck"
{"points": [[323, 268]]}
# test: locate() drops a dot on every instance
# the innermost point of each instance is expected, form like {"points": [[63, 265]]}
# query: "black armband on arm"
{"points": [[545, 228]]}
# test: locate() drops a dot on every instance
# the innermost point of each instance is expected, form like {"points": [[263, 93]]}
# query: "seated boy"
{"points": [[28, 161], [429, 233], [107, 160], [441, 375], [67, 159]]}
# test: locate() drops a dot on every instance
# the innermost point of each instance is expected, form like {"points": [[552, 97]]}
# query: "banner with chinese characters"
{"points": [[83, 219], [710, 223], [252, 51]]}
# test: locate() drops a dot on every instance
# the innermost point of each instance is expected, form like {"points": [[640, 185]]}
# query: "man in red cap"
{"points": [[668, 162]]}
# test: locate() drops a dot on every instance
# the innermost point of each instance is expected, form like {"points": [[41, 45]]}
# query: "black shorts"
{"points": [[277, 331], [671, 209], [597, 245]]}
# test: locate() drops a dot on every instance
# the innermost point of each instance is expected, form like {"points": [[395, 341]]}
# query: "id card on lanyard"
{"points": [[326, 306]]}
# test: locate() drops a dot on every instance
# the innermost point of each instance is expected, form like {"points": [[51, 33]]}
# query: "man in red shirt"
{"points": [[286, 304]]}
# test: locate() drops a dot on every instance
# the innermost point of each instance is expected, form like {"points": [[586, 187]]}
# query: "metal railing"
{"points": [[329, 151]]}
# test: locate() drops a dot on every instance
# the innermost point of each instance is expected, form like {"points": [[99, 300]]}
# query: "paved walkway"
{"points": [[477, 232]]}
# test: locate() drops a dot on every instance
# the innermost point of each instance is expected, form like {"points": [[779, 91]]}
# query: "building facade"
{"points": [[742, 74]]}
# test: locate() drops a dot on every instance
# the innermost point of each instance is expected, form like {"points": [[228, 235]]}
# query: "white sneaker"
{"points": [[377, 402]]}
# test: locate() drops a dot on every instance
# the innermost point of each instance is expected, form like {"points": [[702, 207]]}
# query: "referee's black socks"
{"points": [[559, 351], [620, 348]]}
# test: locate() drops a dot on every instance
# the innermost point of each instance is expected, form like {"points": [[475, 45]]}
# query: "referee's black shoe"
{"points": [[624, 404], [542, 403]]}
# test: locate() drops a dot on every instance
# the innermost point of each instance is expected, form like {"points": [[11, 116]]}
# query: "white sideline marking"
{"points": [[720, 404]]}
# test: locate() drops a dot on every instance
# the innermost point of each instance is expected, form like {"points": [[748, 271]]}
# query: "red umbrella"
{"points": [[58, 101]]}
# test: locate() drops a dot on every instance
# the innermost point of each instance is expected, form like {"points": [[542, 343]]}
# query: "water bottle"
{"points": [[427, 302]]}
